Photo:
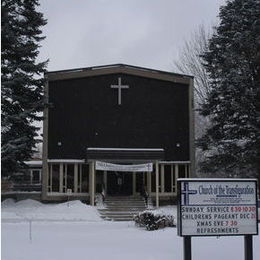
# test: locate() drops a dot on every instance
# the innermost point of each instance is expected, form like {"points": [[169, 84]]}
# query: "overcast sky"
{"points": [[147, 33]]}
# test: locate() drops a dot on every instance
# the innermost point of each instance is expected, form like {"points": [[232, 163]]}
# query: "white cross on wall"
{"points": [[119, 87]]}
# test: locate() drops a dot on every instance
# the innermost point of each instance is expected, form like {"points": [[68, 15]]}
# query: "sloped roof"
{"points": [[117, 68]]}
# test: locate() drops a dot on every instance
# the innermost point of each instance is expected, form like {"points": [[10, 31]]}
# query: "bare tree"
{"points": [[190, 62]]}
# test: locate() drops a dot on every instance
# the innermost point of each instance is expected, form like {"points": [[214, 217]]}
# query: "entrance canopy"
{"points": [[125, 154]]}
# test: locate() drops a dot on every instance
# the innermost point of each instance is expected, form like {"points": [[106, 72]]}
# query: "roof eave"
{"points": [[118, 68]]}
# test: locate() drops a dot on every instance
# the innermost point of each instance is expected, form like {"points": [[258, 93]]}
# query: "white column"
{"points": [[50, 176], [40, 177], [61, 178], [134, 183], [80, 178], [90, 180], [186, 170], [75, 178], [65, 177], [176, 176], [149, 182], [92, 183], [157, 183], [173, 182], [31, 176], [105, 182], [162, 178], [45, 167]]}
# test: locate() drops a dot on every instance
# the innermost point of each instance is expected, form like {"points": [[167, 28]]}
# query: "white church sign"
{"points": [[217, 207], [104, 166]]}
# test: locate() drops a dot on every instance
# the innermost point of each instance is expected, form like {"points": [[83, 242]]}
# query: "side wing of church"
{"points": [[117, 130]]}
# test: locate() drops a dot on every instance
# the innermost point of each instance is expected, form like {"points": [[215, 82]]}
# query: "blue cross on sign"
{"points": [[186, 193]]}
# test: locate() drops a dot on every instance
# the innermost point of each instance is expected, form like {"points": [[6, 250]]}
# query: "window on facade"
{"points": [[187, 171], [160, 180], [173, 179], [138, 181], [27, 177], [74, 177], [84, 178], [99, 181], [145, 179], [70, 177], [182, 171], [35, 176], [49, 177], [167, 178], [153, 182], [55, 177], [64, 180]]}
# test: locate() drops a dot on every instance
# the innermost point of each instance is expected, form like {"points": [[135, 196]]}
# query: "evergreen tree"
{"points": [[22, 82], [232, 141]]}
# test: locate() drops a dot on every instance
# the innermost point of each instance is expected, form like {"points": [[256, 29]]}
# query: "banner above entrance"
{"points": [[104, 166]]}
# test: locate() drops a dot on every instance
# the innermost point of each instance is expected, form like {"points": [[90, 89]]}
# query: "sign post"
{"points": [[187, 248], [217, 207], [248, 244]]}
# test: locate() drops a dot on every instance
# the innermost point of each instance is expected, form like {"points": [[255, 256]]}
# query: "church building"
{"points": [[116, 130]]}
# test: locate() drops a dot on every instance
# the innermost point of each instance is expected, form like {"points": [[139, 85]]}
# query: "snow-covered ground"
{"points": [[36, 211], [75, 231]]}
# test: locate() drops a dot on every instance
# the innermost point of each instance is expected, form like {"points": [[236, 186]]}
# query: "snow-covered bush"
{"points": [[152, 221]]}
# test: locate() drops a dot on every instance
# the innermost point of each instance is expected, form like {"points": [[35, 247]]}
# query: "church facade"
{"points": [[117, 130]]}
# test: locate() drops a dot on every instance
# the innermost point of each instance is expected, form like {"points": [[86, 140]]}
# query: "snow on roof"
{"points": [[124, 149], [118, 65], [174, 162], [216, 179], [65, 161], [34, 162], [118, 68]]}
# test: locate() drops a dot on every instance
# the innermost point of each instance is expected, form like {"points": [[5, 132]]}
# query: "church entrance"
{"points": [[119, 183]]}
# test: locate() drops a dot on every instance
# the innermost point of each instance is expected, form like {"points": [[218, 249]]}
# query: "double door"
{"points": [[119, 183]]}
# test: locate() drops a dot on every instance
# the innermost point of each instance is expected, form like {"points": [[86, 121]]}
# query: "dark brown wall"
{"points": [[85, 113]]}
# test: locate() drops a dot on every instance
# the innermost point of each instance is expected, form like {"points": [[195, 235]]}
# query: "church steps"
{"points": [[118, 210], [122, 208], [121, 214], [119, 219], [122, 201], [120, 204]]}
